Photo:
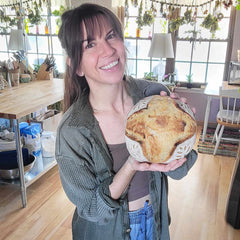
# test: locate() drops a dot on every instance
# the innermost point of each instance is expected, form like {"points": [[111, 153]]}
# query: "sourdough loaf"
{"points": [[160, 129]]}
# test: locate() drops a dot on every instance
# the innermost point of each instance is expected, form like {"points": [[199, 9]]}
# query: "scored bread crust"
{"points": [[160, 128]]}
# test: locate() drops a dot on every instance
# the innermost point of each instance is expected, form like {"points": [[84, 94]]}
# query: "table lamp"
{"points": [[161, 47], [19, 41]]}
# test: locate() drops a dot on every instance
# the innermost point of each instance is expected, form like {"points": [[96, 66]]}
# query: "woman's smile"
{"points": [[110, 65]]}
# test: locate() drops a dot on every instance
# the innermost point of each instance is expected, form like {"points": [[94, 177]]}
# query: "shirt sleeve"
{"points": [[81, 183], [183, 170]]}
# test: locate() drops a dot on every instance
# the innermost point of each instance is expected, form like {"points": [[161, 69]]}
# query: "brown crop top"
{"points": [[139, 185]]}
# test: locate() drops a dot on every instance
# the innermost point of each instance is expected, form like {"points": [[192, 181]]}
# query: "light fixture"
{"points": [[161, 47], [19, 40]]}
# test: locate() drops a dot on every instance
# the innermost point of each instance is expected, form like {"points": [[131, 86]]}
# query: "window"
{"points": [[198, 52], [43, 37]]}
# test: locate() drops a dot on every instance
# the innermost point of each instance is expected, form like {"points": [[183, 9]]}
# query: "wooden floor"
{"points": [[197, 205]]}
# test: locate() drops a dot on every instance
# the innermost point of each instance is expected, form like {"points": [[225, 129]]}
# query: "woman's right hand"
{"points": [[160, 167]]}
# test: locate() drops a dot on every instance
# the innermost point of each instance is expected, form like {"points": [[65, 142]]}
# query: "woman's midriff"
{"points": [[139, 203]]}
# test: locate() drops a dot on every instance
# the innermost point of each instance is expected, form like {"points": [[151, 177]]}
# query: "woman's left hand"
{"points": [[175, 96], [157, 167]]}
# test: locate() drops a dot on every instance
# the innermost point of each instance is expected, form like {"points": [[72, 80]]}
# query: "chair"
{"points": [[228, 115]]}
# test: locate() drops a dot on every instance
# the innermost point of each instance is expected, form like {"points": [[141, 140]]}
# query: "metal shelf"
{"points": [[40, 167]]}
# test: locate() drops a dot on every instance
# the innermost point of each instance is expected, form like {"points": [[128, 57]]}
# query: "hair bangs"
{"points": [[94, 25]]}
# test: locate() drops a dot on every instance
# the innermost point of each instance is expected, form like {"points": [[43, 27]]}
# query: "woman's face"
{"points": [[103, 59]]}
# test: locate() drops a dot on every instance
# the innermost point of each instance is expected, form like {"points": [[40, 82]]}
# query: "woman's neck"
{"points": [[109, 98]]}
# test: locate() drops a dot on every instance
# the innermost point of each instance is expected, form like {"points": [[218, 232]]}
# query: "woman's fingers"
{"points": [[159, 167]]}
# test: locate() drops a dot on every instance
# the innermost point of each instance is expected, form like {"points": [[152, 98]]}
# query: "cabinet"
{"points": [[234, 73], [19, 101]]}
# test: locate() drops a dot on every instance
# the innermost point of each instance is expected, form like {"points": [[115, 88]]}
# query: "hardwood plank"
{"points": [[197, 205]]}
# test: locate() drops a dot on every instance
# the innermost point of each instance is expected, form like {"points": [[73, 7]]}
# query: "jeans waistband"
{"points": [[136, 216]]}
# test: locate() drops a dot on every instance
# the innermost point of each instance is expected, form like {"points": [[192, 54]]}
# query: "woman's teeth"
{"points": [[110, 65]]}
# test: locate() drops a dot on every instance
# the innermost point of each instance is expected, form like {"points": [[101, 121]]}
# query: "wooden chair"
{"points": [[228, 115]]}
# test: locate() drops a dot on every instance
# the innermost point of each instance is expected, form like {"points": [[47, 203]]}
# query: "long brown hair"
{"points": [[93, 17]]}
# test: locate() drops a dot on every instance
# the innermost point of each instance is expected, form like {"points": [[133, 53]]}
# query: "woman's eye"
{"points": [[112, 35], [90, 45]]}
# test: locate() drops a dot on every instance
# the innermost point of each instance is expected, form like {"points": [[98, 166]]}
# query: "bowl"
{"points": [[14, 173]]}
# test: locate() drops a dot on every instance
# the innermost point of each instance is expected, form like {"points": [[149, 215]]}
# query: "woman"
{"points": [[116, 197]]}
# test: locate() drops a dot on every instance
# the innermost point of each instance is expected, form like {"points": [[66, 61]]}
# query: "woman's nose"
{"points": [[107, 48]]}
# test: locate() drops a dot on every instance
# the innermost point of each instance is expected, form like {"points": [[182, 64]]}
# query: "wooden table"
{"points": [[17, 102], [212, 91]]}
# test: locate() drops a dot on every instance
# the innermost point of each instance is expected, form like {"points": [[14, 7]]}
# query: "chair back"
{"points": [[229, 106]]}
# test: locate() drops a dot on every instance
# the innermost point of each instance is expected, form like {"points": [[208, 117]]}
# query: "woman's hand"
{"points": [[160, 167], [175, 96]]}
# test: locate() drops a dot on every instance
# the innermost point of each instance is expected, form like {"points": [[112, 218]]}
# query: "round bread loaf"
{"points": [[160, 129]]}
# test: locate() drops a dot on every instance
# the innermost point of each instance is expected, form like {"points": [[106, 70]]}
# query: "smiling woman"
{"points": [[112, 191]]}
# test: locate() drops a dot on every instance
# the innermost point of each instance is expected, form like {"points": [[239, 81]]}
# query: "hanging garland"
{"points": [[170, 10]]}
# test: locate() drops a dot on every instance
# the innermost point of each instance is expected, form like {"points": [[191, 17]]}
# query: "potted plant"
{"points": [[189, 80]]}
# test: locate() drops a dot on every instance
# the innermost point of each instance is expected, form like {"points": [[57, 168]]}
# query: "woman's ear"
{"points": [[79, 72], [69, 61]]}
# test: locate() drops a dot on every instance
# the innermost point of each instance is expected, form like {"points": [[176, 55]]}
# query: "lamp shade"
{"points": [[161, 46], [16, 41]]}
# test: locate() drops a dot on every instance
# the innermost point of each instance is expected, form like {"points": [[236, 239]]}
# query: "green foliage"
{"points": [[34, 15], [58, 13], [139, 19], [210, 22], [238, 5], [174, 24], [9, 22], [149, 76], [148, 18], [189, 78]]}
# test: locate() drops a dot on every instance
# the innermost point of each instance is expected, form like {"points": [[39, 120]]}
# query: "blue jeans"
{"points": [[141, 223]]}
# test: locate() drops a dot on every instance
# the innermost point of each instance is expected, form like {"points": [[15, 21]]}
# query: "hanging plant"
{"points": [[134, 3], [34, 15], [238, 5], [188, 16], [227, 4], [210, 22], [154, 10], [148, 18], [9, 22], [58, 13], [174, 24], [139, 19]]}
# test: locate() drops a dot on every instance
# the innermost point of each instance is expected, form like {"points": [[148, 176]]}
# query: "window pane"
{"points": [[142, 67], [198, 71], [57, 48], [131, 48], [215, 74], [183, 52], [143, 48], [32, 40], [3, 56], [43, 44], [3, 42], [223, 26], [60, 63], [181, 70], [33, 60], [131, 67], [218, 52], [200, 51]]}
